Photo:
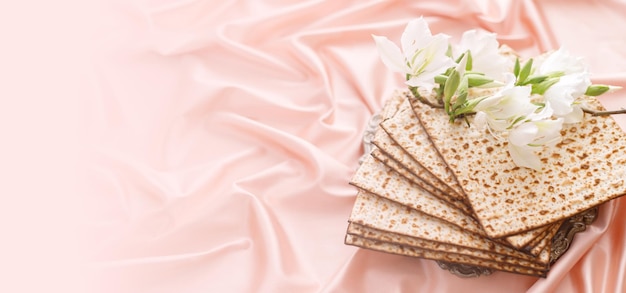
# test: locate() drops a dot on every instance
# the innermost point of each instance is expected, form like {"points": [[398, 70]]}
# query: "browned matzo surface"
{"points": [[587, 169], [382, 214], [400, 169], [393, 150], [405, 130], [374, 177]]}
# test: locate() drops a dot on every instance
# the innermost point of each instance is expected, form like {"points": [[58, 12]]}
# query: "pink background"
{"points": [[213, 142]]}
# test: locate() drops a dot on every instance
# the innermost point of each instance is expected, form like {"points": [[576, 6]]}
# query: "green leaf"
{"points": [[524, 72], [439, 91], [535, 79], [458, 60], [462, 93], [459, 105], [441, 79], [556, 74], [460, 100], [468, 106], [468, 66], [516, 68], [473, 72], [596, 90], [465, 110], [542, 87], [473, 102], [452, 84], [475, 80]]}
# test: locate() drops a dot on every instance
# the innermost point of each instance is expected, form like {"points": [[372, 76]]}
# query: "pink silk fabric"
{"points": [[224, 133]]}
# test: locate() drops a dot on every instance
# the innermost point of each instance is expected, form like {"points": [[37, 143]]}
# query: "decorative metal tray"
{"points": [[560, 242]]}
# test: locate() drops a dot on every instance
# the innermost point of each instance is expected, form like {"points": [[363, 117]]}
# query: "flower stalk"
{"points": [[528, 102], [603, 113]]}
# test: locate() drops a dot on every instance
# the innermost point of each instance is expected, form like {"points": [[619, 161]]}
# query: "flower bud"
{"points": [[542, 87], [476, 80], [598, 89]]}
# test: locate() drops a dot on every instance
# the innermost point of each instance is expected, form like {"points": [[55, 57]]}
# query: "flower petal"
{"points": [[575, 116], [429, 62], [559, 106], [416, 35], [515, 102], [436, 50], [523, 134], [426, 81], [480, 120], [524, 156], [561, 61], [499, 124], [390, 55], [486, 57], [549, 131], [545, 113]]}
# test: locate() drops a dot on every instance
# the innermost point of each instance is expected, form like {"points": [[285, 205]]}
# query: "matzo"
{"points": [[435, 255], [375, 234], [382, 214], [386, 145], [404, 129], [400, 169], [377, 178], [587, 169]]}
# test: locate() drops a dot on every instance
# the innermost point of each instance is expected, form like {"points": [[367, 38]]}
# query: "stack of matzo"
{"points": [[445, 191]]}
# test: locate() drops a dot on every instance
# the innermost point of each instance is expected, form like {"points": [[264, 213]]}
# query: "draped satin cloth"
{"points": [[224, 133]]}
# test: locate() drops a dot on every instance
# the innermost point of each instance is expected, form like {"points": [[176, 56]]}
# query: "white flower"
{"points": [[505, 108], [486, 57], [562, 95], [537, 133], [423, 55], [561, 61], [524, 156], [529, 136], [573, 84], [577, 115]]}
